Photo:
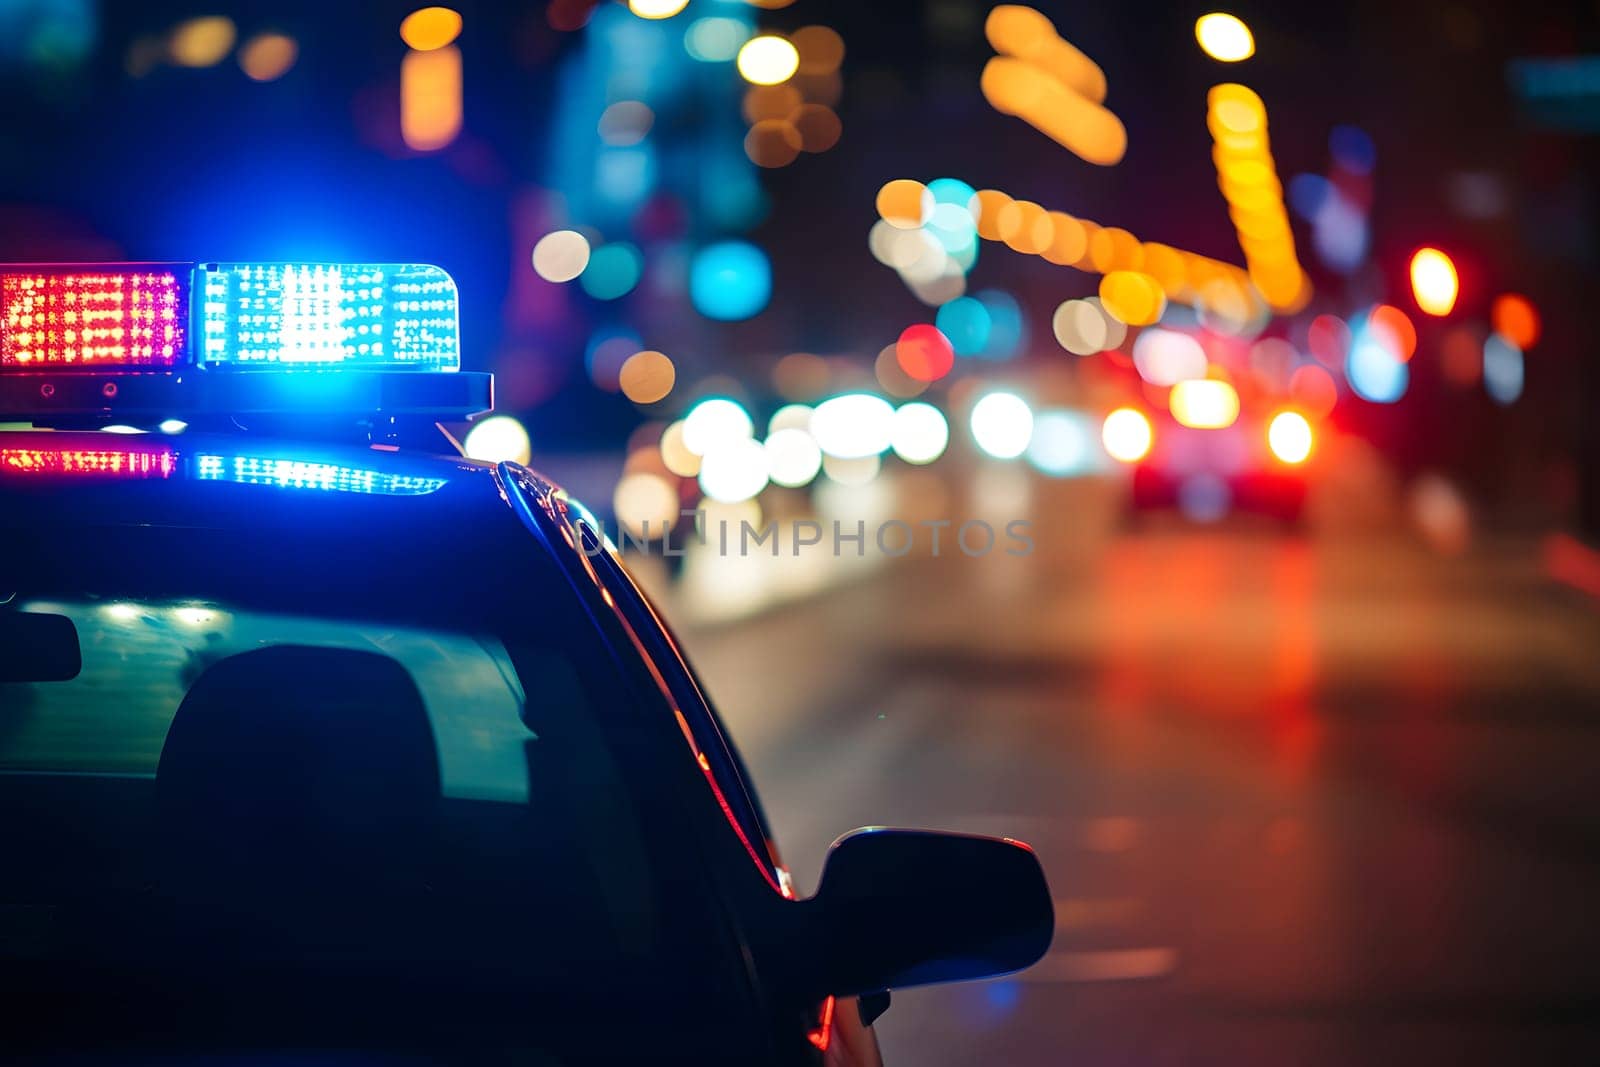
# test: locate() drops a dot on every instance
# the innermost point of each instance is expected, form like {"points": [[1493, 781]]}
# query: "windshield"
{"points": [[242, 756]]}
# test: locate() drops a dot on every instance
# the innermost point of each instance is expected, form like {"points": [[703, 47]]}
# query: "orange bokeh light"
{"points": [[1516, 319]]}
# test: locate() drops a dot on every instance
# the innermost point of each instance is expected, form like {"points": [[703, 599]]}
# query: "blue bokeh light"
{"points": [[1502, 369], [1008, 332], [1353, 149], [967, 323], [613, 271], [1308, 193], [1065, 443], [730, 280], [1375, 372]]}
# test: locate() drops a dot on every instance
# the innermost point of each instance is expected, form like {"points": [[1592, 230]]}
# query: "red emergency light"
{"points": [[142, 461], [91, 317]]}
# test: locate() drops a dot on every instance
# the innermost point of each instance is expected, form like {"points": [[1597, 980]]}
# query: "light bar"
{"points": [[321, 315], [298, 474], [89, 317], [148, 462]]}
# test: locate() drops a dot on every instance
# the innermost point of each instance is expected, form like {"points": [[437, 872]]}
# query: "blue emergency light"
{"points": [[183, 340]]}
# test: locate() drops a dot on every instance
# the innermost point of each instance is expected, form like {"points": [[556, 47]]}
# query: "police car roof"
{"points": [[222, 481]]}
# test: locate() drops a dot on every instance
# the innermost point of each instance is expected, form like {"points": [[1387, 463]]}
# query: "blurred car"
{"points": [[1214, 460], [315, 746]]}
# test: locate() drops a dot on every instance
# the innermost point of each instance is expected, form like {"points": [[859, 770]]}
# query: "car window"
{"points": [[424, 735], [139, 658], [717, 756]]}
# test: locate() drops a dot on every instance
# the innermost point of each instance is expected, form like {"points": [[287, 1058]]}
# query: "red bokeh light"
{"points": [[924, 353]]}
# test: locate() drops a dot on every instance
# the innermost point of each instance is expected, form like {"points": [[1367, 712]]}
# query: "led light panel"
{"points": [[297, 474], [80, 462], [357, 315], [93, 317]]}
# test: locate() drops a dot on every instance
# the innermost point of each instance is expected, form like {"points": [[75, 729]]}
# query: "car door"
{"points": [[833, 1027]]}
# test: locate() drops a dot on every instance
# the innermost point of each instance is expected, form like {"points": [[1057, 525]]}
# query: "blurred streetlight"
{"points": [[1289, 437], [656, 9], [768, 60], [1433, 281], [1224, 37], [1127, 435]]}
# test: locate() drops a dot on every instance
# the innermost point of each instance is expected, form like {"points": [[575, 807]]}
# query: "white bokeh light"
{"points": [[920, 433], [1002, 425], [853, 426], [498, 439]]}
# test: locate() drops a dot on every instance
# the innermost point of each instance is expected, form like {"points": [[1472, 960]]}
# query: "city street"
{"points": [[1301, 798]]}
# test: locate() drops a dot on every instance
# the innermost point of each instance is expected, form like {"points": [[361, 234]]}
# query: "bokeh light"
{"points": [[716, 39], [1434, 282], [967, 325], [920, 433], [1329, 340], [646, 504], [730, 280], [202, 42], [820, 49], [1393, 327], [1502, 369], [1083, 328], [430, 28], [561, 256], [1133, 297], [1224, 37], [612, 272], [1002, 425], [625, 122], [1313, 390], [905, 203], [767, 60], [734, 469], [1289, 436], [656, 9], [1008, 330], [1514, 317], [1042, 100], [1374, 370], [891, 376], [714, 422], [268, 56], [1126, 435], [770, 102], [1166, 357], [1063, 443], [853, 426], [924, 353], [675, 454], [819, 127], [430, 98], [498, 439], [1353, 149], [773, 143], [793, 457], [647, 377], [1204, 404], [790, 417]]}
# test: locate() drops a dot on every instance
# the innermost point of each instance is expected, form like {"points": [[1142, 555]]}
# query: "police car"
{"points": [[317, 746]]}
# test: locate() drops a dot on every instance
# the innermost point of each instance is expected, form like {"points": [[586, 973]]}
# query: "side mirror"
{"points": [[901, 908]]}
